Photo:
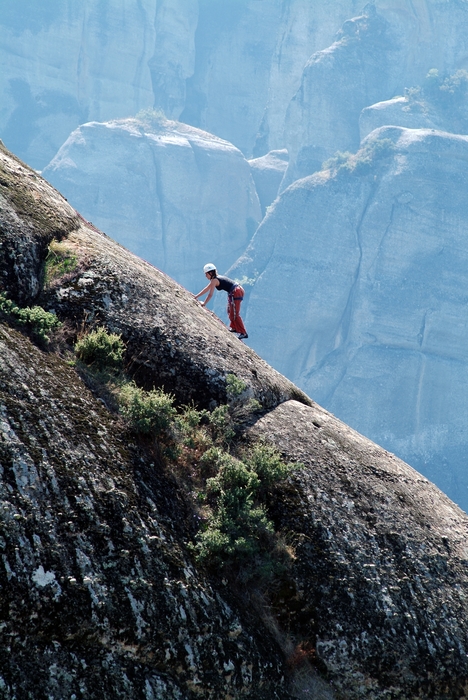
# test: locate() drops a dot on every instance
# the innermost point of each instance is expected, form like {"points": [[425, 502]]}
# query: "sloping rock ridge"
{"points": [[100, 594]]}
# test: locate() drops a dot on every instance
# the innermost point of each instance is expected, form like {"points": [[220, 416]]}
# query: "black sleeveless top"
{"points": [[225, 284]]}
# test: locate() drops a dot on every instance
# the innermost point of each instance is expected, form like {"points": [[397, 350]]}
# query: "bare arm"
{"points": [[203, 291], [210, 289]]}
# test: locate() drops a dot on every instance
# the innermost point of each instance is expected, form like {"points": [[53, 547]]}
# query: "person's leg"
{"points": [[231, 311], [237, 323]]}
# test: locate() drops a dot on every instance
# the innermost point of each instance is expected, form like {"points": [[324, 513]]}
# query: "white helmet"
{"points": [[209, 267]]}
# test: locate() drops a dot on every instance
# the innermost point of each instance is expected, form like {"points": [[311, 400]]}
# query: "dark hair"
{"points": [[212, 274]]}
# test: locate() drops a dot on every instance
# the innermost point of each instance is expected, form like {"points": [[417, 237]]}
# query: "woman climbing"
{"points": [[235, 295]]}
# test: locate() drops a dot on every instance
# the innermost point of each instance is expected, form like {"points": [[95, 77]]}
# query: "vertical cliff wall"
{"points": [[65, 63]]}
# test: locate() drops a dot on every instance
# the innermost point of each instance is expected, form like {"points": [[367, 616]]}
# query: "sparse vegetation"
{"points": [[234, 386], [247, 281], [60, 261], [151, 118], [102, 349], [147, 412], [36, 320], [446, 95], [221, 425], [360, 163], [238, 530], [237, 536]]}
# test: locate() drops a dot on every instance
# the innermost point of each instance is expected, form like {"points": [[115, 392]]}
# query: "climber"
{"points": [[235, 295]]}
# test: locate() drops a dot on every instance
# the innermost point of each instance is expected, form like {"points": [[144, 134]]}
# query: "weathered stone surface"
{"points": [[96, 573], [31, 214], [396, 112], [337, 83], [68, 62], [268, 172], [231, 69], [249, 60], [377, 552], [99, 595], [361, 296], [177, 196], [173, 61], [305, 28]]}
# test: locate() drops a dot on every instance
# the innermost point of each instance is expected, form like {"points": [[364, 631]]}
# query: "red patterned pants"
{"points": [[233, 310]]}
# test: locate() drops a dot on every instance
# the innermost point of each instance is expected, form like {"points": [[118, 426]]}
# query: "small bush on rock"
{"points": [[237, 526], [234, 386], [148, 412], [238, 530], [221, 424], [360, 163], [267, 464], [38, 321], [60, 261], [101, 349]]}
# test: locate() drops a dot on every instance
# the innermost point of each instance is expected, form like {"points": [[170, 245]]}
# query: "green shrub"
{"points": [[267, 464], [360, 163], [237, 528], [101, 349], [61, 260], [211, 460], [340, 160], [254, 406], [447, 92], [234, 386], [38, 321], [221, 424], [229, 541], [247, 281], [148, 412], [235, 483], [188, 428], [152, 118]]}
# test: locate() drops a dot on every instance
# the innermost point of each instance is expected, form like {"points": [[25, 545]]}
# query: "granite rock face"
{"points": [[268, 172], [372, 582], [337, 83], [100, 595], [173, 194], [230, 69], [397, 112], [66, 63], [249, 60], [371, 263], [173, 60]]}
